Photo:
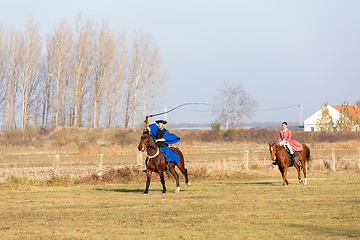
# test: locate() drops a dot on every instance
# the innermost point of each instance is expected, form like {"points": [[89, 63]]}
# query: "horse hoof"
{"points": [[145, 193], [177, 190], [300, 181], [189, 184]]}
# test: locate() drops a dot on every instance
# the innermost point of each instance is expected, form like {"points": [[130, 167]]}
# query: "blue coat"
{"points": [[170, 138]]}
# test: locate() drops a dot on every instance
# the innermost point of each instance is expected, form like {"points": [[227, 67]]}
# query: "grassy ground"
{"points": [[244, 205], [224, 201]]}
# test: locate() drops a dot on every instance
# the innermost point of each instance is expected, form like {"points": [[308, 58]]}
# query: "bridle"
{"points": [[273, 151], [147, 144]]}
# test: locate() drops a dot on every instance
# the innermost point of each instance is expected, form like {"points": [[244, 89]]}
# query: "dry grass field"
{"points": [[225, 201], [242, 205]]}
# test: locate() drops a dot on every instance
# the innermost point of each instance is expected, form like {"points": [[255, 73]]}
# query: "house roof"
{"points": [[313, 118], [352, 108], [334, 111]]}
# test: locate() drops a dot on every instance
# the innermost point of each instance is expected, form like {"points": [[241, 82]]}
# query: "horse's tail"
{"points": [[178, 152], [181, 164], [307, 152]]}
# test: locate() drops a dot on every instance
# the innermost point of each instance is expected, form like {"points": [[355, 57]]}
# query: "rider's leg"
{"points": [[292, 158]]}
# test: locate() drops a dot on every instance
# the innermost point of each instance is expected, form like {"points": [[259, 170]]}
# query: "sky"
{"points": [[285, 53]]}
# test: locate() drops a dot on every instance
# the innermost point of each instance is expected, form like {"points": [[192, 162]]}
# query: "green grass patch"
{"points": [[253, 207]]}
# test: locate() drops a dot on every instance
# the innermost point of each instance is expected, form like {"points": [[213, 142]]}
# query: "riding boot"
{"points": [[167, 168], [292, 160]]}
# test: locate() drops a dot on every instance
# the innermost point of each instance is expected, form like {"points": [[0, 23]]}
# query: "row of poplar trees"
{"points": [[82, 73]]}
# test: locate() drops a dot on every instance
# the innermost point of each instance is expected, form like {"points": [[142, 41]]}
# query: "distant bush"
{"points": [[216, 127], [88, 138], [264, 136]]}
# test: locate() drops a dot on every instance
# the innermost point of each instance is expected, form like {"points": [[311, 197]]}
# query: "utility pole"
{"points": [[165, 114], [301, 122]]}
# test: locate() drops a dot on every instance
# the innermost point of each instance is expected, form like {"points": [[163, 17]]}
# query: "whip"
{"points": [[157, 114]]}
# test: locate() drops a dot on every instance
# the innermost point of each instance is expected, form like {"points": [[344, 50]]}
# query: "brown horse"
{"points": [[278, 154], [155, 162]]}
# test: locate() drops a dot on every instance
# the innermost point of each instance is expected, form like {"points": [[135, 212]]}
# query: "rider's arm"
{"points": [[289, 136]]}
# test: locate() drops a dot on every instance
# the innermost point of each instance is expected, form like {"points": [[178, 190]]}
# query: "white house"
{"points": [[334, 111]]}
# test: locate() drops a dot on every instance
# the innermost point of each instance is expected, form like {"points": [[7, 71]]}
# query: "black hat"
{"points": [[161, 121]]}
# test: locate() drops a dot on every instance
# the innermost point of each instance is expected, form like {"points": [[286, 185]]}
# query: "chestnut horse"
{"points": [[155, 162], [278, 154]]}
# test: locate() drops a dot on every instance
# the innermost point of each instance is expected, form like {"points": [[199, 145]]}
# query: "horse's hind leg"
{"points": [[176, 176], [162, 180], [304, 163], [299, 174], [183, 170]]}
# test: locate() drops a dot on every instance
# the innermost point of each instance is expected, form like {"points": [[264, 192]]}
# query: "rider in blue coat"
{"points": [[163, 138]]}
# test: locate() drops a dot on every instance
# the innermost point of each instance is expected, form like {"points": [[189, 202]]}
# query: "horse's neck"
{"points": [[152, 148], [280, 150]]}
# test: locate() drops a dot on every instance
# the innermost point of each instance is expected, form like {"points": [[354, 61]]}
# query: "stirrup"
{"points": [[167, 168], [292, 160]]}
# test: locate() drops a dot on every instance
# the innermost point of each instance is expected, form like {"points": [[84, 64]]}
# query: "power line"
{"points": [[272, 109]]}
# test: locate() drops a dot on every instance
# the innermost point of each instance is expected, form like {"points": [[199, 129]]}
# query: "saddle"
{"points": [[288, 153], [295, 155]]}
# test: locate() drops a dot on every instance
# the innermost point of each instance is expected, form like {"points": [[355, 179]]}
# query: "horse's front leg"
{"points": [[282, 172], [284, 176], [176, 176], [148, 177]]}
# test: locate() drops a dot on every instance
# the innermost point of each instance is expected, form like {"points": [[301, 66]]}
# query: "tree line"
{"points": [[81, 74]]}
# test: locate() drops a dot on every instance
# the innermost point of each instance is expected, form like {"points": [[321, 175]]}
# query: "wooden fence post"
{"points": [[139, 159], [100, 164], [246, 159], [332, 165], [56, 165], [358, 157]]}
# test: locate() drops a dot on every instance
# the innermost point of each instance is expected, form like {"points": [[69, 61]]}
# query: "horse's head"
{"points": [[146, 140], [273, 148]]}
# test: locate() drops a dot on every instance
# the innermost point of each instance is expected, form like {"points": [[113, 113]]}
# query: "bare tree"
{"points": [[103, 68], [145, 63], [13, 54], [84, 32], [116, 82], [59, 61], [83, 65], [29, 67], [3, 64], [155, 78], [233, 104]]}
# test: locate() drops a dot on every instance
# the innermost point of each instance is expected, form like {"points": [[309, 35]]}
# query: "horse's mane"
{"points": [[278, 146], [152, 141]]}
